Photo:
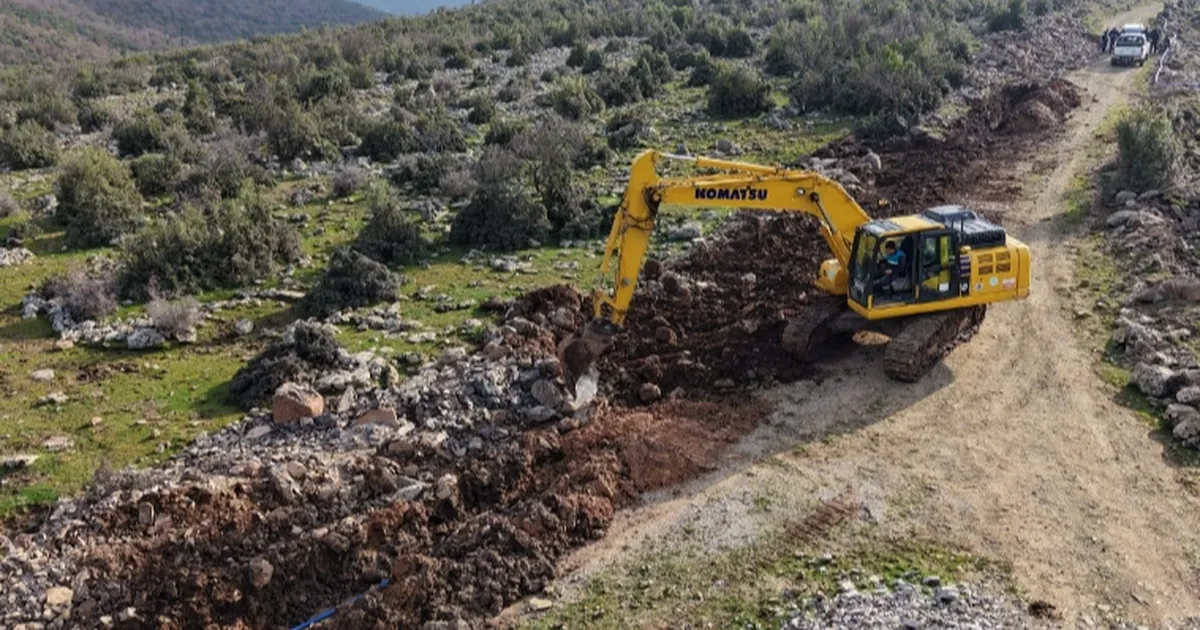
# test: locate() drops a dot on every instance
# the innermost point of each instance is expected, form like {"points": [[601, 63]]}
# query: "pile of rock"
{"points": [[910, 607], [1152, 236], [328, 453], [1048, 46], [13, 256]]}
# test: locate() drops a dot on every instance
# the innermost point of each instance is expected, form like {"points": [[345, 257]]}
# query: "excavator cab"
{"points": [[905, 261]]}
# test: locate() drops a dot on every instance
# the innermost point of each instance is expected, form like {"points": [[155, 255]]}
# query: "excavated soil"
{"points": [[489, 537], [702, 328]]}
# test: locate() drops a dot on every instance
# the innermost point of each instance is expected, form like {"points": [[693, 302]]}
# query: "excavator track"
{"points": [[927, 339], [809, 331]]}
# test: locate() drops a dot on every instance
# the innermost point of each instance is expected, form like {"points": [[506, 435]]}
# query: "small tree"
{"points": [[28, 145], [198, 112], [573, 98], [156, 174], [97, 200], [351, 281], [1149, 150], [390, 236], [738, 90]]}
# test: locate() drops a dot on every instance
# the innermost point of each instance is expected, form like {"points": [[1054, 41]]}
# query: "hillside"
{"points": [[73, 30], [412, 7], [219, 20], [62, 30]]}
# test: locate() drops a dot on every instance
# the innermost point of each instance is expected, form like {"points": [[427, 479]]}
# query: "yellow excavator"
{"points": [[923, 280]]}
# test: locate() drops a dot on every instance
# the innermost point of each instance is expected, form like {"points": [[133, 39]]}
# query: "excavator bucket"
{"points": [[579, 352]]}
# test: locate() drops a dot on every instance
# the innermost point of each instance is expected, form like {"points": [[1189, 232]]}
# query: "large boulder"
{"points": [[293, 402], [1156, 380], [145, 339]]}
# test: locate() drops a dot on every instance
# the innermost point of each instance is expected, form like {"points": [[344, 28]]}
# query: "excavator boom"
{"points": [[741, 185]]}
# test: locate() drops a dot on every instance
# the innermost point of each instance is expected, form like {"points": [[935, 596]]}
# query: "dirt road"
{"points": [[1012, 449]]}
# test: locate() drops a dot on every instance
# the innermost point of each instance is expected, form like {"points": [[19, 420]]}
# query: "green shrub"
{"points": [[145, 132], [573, 98], [738, 43], [322, 85], [362, 76], [391, 235], [225, 245], [1149, 150], [387, 139], [95, 116], [49, 110], [294, 133], [503, 131], [704, 70], [223, 169], [424, 172], [502, 213], [28, 145], [156, 174], [198, 112], [439, 133], [738, 90], [1011, 19], [482, 112], [351, 281], [97, 200]]}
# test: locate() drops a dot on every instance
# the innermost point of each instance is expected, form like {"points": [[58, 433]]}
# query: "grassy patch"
{"points": [[759, 586]]}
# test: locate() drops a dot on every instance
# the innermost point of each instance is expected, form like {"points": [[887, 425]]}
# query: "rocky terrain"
{"points": [[446, 485], [465, 482]]}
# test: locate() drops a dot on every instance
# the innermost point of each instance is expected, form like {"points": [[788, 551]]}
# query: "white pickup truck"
{"points": [[1131, 48]]}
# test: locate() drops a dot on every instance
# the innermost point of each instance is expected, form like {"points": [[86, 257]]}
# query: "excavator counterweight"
{"points": [[923, 280]]}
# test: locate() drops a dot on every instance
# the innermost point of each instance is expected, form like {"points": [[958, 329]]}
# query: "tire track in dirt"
{"points": [[1013, 447]]}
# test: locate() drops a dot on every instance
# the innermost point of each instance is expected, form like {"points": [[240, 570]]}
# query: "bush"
{"points": [[386, 139], [85, 297], [502, 213], [95, 116], [593, 63], [578, 55], [28, 145], [49, 110], [321, 85], [573, 98], [390, 236], [305, 349], [437, 132], [175, 319], [225, 245], [198, 112], [351, 281], [346, 181], [704, 70], [424, 171], [293, 133], [361, 76], [1149, 151], [145, 132], [738, 90], [1011, 19], [457, 184], [503, 131], [514, 90], [483, 111], [223, 169], [156, 174], [97, 200], [738, 43]]}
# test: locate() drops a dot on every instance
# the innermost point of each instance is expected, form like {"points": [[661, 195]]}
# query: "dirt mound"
{"points": [[488, 532]]}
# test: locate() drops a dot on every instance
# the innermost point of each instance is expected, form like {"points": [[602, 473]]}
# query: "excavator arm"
{"points": [[740, 185]]}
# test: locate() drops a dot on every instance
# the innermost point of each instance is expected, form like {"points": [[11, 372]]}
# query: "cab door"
{"points": [[937, 266]]}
